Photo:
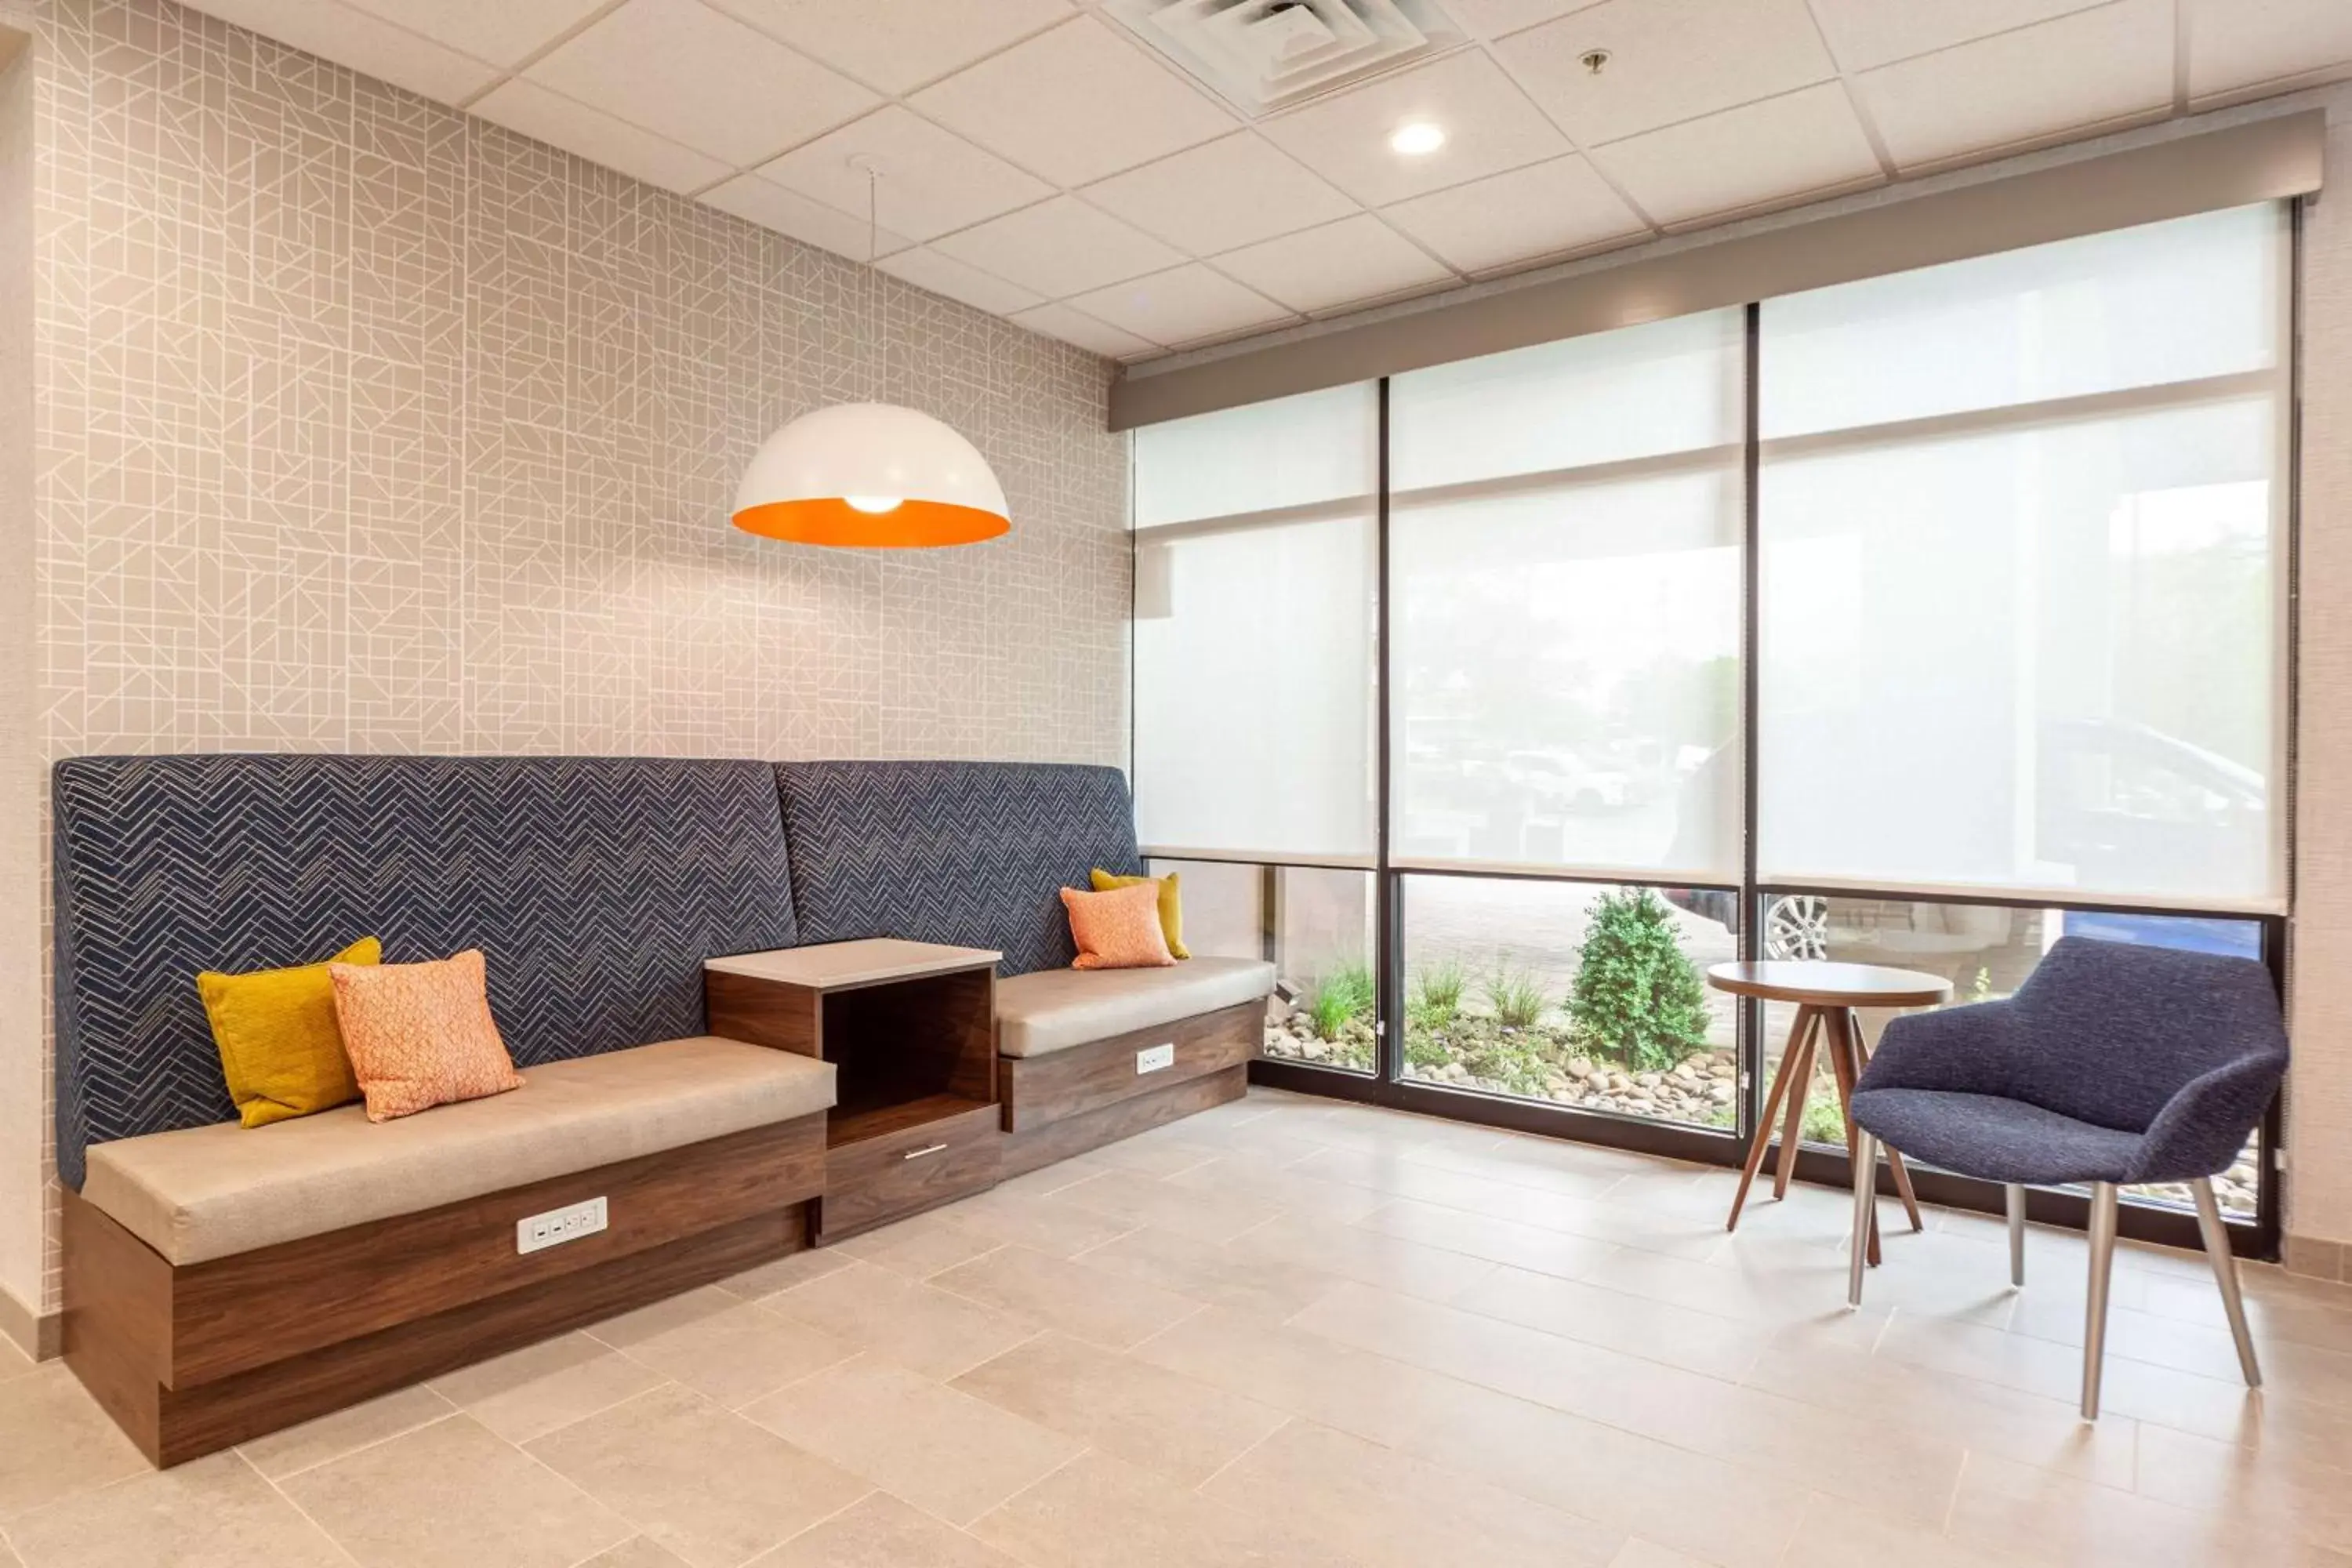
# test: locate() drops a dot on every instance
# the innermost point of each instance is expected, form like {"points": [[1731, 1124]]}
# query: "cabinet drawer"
{"points": [[894, 1174]]}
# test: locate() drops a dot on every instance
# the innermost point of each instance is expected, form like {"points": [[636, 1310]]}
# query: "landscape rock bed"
{"points": [[1541, 1062], [1535, 1062]]}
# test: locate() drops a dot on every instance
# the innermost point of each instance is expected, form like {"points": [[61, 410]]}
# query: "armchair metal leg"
{"points": [[2095, 1324], [2225, 1274], [2015, 1193], [1865, 1188]]}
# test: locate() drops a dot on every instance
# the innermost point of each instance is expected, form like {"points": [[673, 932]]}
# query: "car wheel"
{"points": [[1797, 926]]}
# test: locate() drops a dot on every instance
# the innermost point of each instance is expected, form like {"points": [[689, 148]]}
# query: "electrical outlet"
{"points": [[557, 1226], [1153, 1059]]}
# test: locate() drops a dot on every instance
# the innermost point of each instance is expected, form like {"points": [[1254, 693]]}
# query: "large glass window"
{"points": [[2014, 577], [1256, 565], [1565, 528], [2023, 558]]}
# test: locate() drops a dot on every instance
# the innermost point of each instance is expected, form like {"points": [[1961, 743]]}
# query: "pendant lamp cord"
{"points": [[873, 280]]}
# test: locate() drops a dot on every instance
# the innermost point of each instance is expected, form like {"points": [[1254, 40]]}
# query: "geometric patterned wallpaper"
{"points": [[364, 424], [368, 426]]}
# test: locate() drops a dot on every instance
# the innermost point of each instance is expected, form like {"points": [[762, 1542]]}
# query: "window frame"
{"points": [[1386, 1085]]}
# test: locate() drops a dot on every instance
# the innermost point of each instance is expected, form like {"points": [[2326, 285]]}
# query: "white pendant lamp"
{"points": [[871, 474]]}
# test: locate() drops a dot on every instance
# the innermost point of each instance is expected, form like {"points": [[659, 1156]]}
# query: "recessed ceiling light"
{"points": [[1417, 138]]}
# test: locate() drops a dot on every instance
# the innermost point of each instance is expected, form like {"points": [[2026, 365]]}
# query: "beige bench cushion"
{"points": [[212, 1192], [1055, 1009]]}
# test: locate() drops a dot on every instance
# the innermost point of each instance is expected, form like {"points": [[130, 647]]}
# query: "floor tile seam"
{"points": [[1615, 1242], [948, 1381], [1584, 1416], [1030, 1318], [1201, 1487], [454, 1409], [606, 1408], [2068, 1402], [305, 1514], [2124, 1353], [2226, 1381], [982, 1518], [1738, 1380], [873, 1490], [630, 1526], [856, 1353]]}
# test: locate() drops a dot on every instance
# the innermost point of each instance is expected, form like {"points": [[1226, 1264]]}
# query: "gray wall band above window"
{"points": [[2266, 160]]}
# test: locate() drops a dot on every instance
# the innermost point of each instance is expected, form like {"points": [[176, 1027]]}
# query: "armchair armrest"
{"points": [[1962, 1050], [2201, 1128]]}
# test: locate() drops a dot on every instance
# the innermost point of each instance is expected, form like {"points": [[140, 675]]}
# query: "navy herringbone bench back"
{"points": [[969, 853], [595, 886]]}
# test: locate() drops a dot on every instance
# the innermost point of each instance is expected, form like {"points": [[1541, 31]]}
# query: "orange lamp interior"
{"points": [[909, 525]]}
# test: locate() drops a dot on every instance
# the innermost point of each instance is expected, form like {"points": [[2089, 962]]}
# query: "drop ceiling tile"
{"points": [[364, 43], [932, 181], [1494, 18], [2077, 72], [1489, 127], [1059, 249], [1353, 261], [927, 269], [1220, 195], [1544, 209], [596, 136], [2237, 44], [1075, 326], [682, 70], [1670, 60], [898, 45], [503, 33], [1759, 153], [1074, 104], [794, 214], [1867, 32], [1183, 305]]}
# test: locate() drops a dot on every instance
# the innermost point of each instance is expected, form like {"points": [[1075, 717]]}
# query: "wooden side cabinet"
{"points": [[910, 1030]]}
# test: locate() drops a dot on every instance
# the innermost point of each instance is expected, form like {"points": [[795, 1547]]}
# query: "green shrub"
{"points": [[1437, 994], [1517, 996], [1824, 1123], [1340, 997], [1638, 997]]}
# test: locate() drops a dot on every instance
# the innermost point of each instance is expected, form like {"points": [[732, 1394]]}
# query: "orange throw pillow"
{"points": [[421, 1035], [1120, 929]]}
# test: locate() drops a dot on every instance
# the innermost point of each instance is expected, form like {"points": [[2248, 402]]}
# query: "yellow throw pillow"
{"points": [[280, 1047], [1171, 912]]}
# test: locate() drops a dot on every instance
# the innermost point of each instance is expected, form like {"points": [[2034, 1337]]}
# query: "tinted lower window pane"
{"points": [[1576, 994], [1316, 925]]}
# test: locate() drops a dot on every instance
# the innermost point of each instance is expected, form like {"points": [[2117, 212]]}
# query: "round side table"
{"points": [[1825, 995]]}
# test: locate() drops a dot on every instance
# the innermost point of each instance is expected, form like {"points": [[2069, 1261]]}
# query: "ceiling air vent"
{"points": [[1264, 55]]}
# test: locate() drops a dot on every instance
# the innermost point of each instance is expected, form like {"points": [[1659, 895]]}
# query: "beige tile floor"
{"points": [[1296, 1332]]}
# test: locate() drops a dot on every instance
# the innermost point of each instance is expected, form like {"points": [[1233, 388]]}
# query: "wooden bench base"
{"points": [[1067, 1102], [1025, 1151], [192, 1359]]}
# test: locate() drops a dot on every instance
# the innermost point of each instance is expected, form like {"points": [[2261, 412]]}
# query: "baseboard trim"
{"points": [[2313, 1258], [38, 1336]]}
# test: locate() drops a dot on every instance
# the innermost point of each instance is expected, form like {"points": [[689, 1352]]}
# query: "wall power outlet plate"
{"points": [[539, 1231], [1152, 1058]]}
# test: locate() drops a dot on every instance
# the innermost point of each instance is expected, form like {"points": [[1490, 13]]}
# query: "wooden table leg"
{"points": [[1802, 1029], [1841, 1048], [1800, 1084], [1894, 1156]]}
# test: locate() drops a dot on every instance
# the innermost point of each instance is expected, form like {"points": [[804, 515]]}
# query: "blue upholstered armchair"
{"points": [[2111, 1064]]}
